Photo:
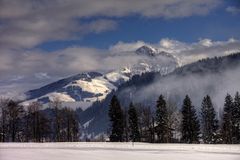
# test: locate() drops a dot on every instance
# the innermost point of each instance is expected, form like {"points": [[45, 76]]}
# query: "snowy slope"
{"points": [[215, 77], [86, 88], [118, 151]]}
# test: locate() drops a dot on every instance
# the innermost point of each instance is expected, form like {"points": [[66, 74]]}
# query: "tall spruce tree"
{"points": [[133, 123], [117, 120], [126, 125], [190, 124], [162, 128], [209, 121], [236, 118], [227, 125]]}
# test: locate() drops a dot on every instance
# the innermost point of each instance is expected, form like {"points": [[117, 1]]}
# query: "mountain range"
{"points": [[157, 72], [215, 77], [83, 89]]}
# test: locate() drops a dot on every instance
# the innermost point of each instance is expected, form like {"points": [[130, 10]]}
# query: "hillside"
{"points": [[215, 76]]}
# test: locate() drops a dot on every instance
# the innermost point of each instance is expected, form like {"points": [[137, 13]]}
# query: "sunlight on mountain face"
{"points": [[145, 74]]}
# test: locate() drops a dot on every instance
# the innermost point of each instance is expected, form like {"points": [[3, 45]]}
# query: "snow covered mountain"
{"points": [[83, 89], [213, 76], [154, 60], [147, 50], [151, 51]]}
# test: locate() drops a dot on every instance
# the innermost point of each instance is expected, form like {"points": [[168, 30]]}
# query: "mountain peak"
{"points": [[147, 50]]}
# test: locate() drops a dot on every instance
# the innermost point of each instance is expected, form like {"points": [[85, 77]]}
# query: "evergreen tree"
{"points": [[227, 125], [117, 120], [162, 128], [133, 123], [236, 118], [190, 124], [209, 121], [126, 125]]}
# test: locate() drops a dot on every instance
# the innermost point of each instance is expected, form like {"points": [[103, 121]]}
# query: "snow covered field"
{"points": [[115, 151]]}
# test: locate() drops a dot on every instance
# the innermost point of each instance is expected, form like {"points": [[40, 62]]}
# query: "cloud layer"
{"points": [[28, 23], [196, 86], [35, 67]]}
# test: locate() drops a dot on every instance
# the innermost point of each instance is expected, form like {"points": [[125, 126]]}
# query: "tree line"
{"points": [[33, 124], [163, 124], [167, 124]]}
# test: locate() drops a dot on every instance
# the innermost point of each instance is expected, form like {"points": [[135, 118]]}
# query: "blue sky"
{"points": [[219, 25], [42, 41]]}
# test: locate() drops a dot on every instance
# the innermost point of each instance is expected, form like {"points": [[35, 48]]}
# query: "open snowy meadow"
{"points": [[115, 151]]}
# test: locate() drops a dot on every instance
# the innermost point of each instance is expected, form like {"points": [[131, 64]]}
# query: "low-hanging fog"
{"points": [[175, 87]]}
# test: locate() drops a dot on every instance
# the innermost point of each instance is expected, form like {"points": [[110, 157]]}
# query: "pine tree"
{"points": [[227, 125], [162, 121], [126, 125], [190, 124], [209, 121], [133, 123], [236, 118], [116, 118]]}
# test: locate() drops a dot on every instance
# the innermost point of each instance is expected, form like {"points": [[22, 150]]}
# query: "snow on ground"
{"points": [[117, 151]]}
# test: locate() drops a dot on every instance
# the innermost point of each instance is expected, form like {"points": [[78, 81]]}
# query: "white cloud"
{"points": [[34, 68], [233, 9], [186, 52], [171, 45], [99, 26], [126, 47], [206, 42], [28, 23], [42, 75]]}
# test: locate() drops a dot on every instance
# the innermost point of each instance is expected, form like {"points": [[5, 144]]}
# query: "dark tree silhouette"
{"points": [[162, 129], [116, 118], [209, 121], [190, 124], [133, 123], [227, 125]]}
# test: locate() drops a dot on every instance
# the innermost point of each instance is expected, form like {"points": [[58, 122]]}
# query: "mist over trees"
{"points": [[167, 124], [137, 123]]}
